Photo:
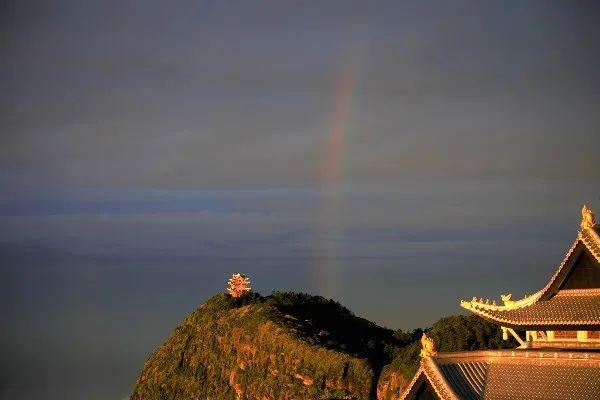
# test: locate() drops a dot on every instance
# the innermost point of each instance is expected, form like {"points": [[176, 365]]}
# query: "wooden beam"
{"points": [[521, 342]]}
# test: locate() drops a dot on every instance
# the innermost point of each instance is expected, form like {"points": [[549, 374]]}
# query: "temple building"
{"points": [[557, 327]]}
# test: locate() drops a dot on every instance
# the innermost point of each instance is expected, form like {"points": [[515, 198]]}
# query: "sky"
{"points": [[394, 156]]}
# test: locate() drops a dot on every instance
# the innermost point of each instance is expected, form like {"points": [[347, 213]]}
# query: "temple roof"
{"points": [[569, 300], [577, 307], [507, 374]]}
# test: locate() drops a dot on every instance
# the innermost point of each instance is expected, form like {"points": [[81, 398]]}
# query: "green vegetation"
{"points": [[326, 323], [293, 345], [459, 332], [454, 333], [287, 345]]}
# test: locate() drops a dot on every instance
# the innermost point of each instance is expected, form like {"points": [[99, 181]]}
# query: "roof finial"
{"points": [[587, 218], [427, 346], [506, 299]]}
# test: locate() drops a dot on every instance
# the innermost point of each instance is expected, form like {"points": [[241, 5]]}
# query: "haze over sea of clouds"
{"points": [[150, 149]]}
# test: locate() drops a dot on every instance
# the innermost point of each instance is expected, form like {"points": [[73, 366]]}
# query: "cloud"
{"points": [[243, 98]]}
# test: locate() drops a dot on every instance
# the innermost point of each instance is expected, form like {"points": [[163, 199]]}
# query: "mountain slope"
{"points": [[283, 346]]}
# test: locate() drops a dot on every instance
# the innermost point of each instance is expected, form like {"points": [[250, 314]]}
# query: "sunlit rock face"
{"points": [[282, 346]]}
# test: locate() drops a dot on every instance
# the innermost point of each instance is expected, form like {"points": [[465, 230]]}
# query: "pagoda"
{"points": [[557, 328], [238, 285]]}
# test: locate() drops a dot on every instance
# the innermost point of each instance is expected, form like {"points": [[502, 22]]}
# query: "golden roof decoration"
{"points": [[506, 299], [427, 346], [588, 221]]}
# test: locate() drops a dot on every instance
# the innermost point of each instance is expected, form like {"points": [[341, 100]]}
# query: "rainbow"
{"points": [[338, 129], [325, 268]]}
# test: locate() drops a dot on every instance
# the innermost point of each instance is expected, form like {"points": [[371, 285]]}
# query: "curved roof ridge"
{"points": [[412, 383], [480, 305], [475, 305], [432, 374], [550, 305], [437, 380], [587, 235], [591, 239], [562, 264]]}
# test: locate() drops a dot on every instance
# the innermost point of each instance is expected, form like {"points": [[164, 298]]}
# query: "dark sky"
{"points": [[395, 156]]}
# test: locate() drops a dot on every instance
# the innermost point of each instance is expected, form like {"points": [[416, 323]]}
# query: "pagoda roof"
{"points": [[503, 374], [570, 299]]}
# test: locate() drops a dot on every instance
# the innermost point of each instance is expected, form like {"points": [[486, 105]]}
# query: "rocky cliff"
{"points": [[283, 346]]}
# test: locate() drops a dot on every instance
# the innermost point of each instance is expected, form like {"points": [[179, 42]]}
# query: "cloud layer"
{"points": [[213, 95]]}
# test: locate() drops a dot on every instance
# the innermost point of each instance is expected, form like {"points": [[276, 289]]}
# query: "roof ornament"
{"points": [[588, 221], [427, 346], [506, 299]]}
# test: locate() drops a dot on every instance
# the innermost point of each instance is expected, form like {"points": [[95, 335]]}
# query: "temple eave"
{"points": [[566, 325], [568, 310]]}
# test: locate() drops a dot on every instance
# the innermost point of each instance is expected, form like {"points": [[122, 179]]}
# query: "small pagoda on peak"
{"points": [[238, 285], [557, 327]]}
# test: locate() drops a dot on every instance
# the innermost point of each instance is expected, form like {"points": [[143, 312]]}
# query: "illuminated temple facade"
{"points": [[557, 327]]}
